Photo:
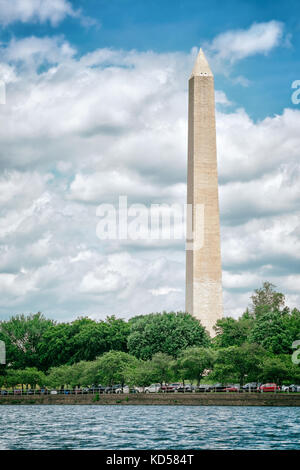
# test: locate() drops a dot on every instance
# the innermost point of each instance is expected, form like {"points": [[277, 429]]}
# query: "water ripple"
{"points": [[148, 427]]}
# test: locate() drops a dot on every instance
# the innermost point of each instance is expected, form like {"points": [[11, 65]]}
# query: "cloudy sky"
{"points": [[96, 107]]}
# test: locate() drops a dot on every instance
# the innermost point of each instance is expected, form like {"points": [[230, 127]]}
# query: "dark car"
{"points": [[113, 388], [251, 387], [294, 388], [203, 388], [97, 389], [187, 388], [4, 392], [217, 388]]}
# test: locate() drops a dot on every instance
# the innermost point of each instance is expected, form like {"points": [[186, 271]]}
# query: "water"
{"points": [[148, 427]]}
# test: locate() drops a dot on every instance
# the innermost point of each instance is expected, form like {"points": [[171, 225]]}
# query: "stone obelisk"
{"points": [[203, 252]]}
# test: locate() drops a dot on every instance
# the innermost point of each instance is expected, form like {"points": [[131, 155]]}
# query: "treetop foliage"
{"points": [[169, 333]]}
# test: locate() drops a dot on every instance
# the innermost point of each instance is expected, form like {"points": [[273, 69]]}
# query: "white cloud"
{"points": [[101, 282], [35, 51], [221, 98], [164, 291], [108, 185], [234, 45], [35, 11], [248, 149], [258, 195], [18, 188]]}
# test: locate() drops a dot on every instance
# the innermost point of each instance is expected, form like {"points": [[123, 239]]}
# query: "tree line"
{"points": [[159, 347]]}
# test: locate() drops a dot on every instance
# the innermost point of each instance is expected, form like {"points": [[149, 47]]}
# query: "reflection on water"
{"points": [[148, 427]]}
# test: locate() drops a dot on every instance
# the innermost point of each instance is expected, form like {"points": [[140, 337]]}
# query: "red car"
{"points": [[232, 388], [268, 388], [168, 388]]}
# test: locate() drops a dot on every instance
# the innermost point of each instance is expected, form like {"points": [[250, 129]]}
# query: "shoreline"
{"points": [[188, 399]]}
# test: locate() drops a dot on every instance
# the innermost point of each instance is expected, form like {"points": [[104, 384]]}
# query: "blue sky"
{"points": [[165, 26], [96, 107]]}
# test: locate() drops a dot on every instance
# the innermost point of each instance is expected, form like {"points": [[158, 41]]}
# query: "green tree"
{"points": [[82, 340], [57, 346], [22, 336], [161, 364], [89, 341], [292, 324], [117, 334], [169, 333], [95, 338], [194, 361], [232, 332], [112, 367], [237, 363], [32, 377], [12, 378], [274, 369], [59, 377], [142, 374], [271, 331], [268, 298], [75, 374]]}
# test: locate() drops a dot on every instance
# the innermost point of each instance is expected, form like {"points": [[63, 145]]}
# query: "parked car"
{"points": [[176, 386], [4, 392], [203, 388], [53, 392], [232, 388], [97, 389], [217, 388], [168, 388], [291, 388], [113, 388], [153, 388], [270, 387], [127, 389], [251, 386], [17, 392], [186, 388]]}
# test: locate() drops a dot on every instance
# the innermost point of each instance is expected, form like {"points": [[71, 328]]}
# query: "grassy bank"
{"points": [[203, 399]]}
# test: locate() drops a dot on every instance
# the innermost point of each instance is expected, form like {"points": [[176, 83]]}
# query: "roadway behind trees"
{"points": [[162, 347]]}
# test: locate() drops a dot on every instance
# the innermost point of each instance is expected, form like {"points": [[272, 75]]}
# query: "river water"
{"points": [[148, 427]]}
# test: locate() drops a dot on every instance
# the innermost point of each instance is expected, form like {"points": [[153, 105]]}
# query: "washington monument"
{"points": [[203, 253]]}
